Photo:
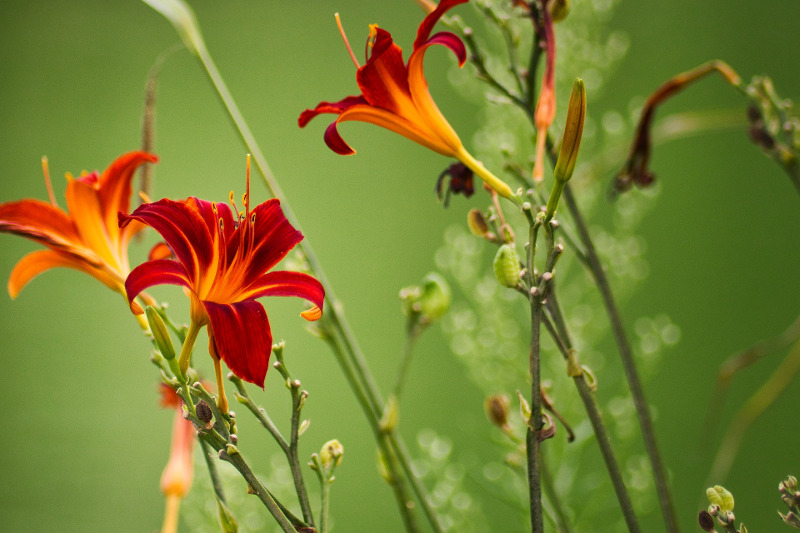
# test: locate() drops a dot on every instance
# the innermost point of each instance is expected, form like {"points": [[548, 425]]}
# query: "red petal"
{"points": [[453, 42], [329, 107], [384, 79], [242, 338], [158, 272], [286, 283], [424, 30], [335, 141], [274, 237], [182, 227]]}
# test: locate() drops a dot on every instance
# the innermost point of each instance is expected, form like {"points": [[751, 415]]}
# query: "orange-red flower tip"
{"points": [[394, 95], [315, 313]]}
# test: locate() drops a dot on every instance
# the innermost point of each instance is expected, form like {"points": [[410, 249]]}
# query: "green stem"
{"points": [[765, 396], [560, 516], [216, 482], [560, 336], [188, 346], [258, 489], [397, 481], [628, 364], [408, 351], [325, 491], [532, 442]]}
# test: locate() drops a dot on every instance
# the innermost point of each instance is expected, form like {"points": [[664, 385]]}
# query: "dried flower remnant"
{"points": [[636, 170], [394, 95]]}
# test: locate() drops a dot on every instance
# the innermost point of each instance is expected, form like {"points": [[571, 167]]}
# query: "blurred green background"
{"points": [[85, 439]]}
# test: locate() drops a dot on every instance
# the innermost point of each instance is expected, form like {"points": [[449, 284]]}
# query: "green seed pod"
{"points": [[226, 519], [160, 333], [506, 266]]}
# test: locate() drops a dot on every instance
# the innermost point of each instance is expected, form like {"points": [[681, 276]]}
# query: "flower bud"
{"points": [[160, 333], [226, 519], [331, 454], [719, 496], [573, 131], [428, 302], [506, 266], [391, 415]]}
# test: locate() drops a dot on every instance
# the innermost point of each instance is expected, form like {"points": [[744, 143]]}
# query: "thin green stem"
{"points": [[549, 488], [408, 351], [324, 513], [258, 488], [396, 481], [628, 364], [532, 441], [216, 482], [765, 396]]}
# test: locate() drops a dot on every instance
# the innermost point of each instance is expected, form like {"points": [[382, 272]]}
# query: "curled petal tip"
{"points": [[312, 314]]}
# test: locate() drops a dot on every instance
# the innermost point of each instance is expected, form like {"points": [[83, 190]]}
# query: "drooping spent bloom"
{"points": [[176, 479], [223, 259], [546, 106], [395, 96], [86, 236]]}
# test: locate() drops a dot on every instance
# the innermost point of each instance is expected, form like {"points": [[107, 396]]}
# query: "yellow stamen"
{"points": [[246, 197], [146, 199], [373, 34], [47, 182], [346, 42], [233, 204]]}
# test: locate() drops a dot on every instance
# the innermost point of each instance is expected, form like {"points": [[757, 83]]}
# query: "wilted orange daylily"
{"points": [[395, 96], [86, 237], [223, 260], [176, 479]]}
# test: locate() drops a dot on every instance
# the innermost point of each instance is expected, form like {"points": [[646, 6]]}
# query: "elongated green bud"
{"points": [[570, 144], [506, 266], [160, 333]]}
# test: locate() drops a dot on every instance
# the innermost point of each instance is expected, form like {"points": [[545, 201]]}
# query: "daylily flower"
{"points": [[223, 260], [395, 96], [86, 237], [176, 479]]}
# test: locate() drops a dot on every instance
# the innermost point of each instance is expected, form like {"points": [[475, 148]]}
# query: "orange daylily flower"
{"points": [[223, 260], [395, 96], [86, 237]]}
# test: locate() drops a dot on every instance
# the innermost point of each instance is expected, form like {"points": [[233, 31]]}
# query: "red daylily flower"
{"points": [[86, 237], [395, 96], [223, 261]]}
